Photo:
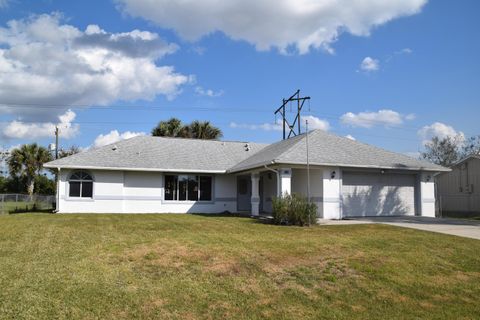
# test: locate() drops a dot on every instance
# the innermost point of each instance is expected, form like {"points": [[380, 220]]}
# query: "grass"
{"points": [[198, 267], [23, 206]]}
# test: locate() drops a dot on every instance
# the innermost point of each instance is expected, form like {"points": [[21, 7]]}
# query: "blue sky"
{"points": [[391, 75]]}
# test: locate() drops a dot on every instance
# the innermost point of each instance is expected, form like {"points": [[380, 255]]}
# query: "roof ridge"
{"points": [[272, 145], [203, 140]]}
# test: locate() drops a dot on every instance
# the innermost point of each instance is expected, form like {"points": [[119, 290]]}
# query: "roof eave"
{"points": [[52, 166], [259, 165]]}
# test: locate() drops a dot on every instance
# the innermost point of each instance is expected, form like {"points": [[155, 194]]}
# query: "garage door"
{"points": [[366, 194]]}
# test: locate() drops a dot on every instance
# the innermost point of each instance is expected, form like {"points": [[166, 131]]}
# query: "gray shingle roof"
{"points": [[162, 154], [329, 149], [190, 155]]}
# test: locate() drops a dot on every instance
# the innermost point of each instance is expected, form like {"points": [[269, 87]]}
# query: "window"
{"points": [[206, 190], [242, 186], [80, 185], [188, 188], [171, 187]]}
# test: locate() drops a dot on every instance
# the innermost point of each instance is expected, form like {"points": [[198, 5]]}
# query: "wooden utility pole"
{"points": [[56, 142], [297, 120]]}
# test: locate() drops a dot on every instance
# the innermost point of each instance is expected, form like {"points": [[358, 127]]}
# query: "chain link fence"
{"points": [[17, 203]]}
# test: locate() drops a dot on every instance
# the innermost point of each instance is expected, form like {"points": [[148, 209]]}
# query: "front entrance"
{"points": [[244, 193]]}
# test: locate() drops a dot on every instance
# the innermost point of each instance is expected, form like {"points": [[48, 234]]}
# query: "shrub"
{"points": [[294, 210]]}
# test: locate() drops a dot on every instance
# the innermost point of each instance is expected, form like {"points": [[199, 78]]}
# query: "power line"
{"points": [[209, 109], [144, 108]]}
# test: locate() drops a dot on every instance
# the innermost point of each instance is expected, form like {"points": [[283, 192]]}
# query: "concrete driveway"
{"points": [[456, 227]]}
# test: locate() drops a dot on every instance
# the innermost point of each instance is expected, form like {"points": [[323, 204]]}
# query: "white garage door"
{"points": [[366, 194]]}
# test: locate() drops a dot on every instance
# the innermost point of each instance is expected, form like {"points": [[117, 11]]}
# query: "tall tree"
{"points": [[170, 128], [27, 162], [470, 146], [444, 152], [204, 130], [195, 130]]}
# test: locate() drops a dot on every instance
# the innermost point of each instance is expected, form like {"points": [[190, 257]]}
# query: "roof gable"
{"points": [[329, 149]]}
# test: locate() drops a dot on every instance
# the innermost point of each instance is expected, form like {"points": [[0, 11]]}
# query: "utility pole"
{"points": [[56, 142], [297, 120]]}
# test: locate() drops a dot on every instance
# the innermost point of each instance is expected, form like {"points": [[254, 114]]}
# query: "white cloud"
{"points": [[383, 117], [208, 92], [405, 51], [44, 62], [199, 50], [440, 130], [114, 136], [369, 65], [350, 137], [22, 130], [263, 126], [410, 116], [284, 24], [316, 123]]}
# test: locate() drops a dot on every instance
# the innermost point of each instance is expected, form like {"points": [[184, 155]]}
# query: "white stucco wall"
{"points": [[332, 193], [142, 192], [427, 195], [299, 186], [269, 189], [107, 189]]}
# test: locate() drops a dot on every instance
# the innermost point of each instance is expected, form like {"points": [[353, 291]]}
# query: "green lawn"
{"points": [[197, 267], [24, 206]]}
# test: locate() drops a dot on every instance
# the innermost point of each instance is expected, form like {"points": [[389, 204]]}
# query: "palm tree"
{"points": [[195, 130], [204, 130], [27, 162], [170, 128]]}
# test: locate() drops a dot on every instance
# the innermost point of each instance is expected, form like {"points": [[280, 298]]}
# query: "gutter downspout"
{"points": [[278, 177]]}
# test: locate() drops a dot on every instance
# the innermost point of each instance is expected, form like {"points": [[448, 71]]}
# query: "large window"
{"points": [[80, 185], [188, 188]]}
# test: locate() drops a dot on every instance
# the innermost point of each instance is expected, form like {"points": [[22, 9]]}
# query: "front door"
{"points": [[244, 193]]}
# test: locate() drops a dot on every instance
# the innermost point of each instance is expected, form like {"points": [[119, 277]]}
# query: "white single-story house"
{"points": [[145, 174]]}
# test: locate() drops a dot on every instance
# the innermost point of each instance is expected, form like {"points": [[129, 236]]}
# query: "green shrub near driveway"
{"points": [[294, 210]]}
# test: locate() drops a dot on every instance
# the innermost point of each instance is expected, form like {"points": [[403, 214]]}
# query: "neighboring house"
{"points": [[459, 189], [156, 174]]}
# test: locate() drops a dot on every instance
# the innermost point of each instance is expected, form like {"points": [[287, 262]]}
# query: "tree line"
{"points": [[449, 150]]}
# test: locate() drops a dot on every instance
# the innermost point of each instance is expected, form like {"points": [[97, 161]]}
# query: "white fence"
{"points": [[16, 203]]}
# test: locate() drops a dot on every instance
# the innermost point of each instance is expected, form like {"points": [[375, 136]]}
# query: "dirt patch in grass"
{"points": [[176, 256]]}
